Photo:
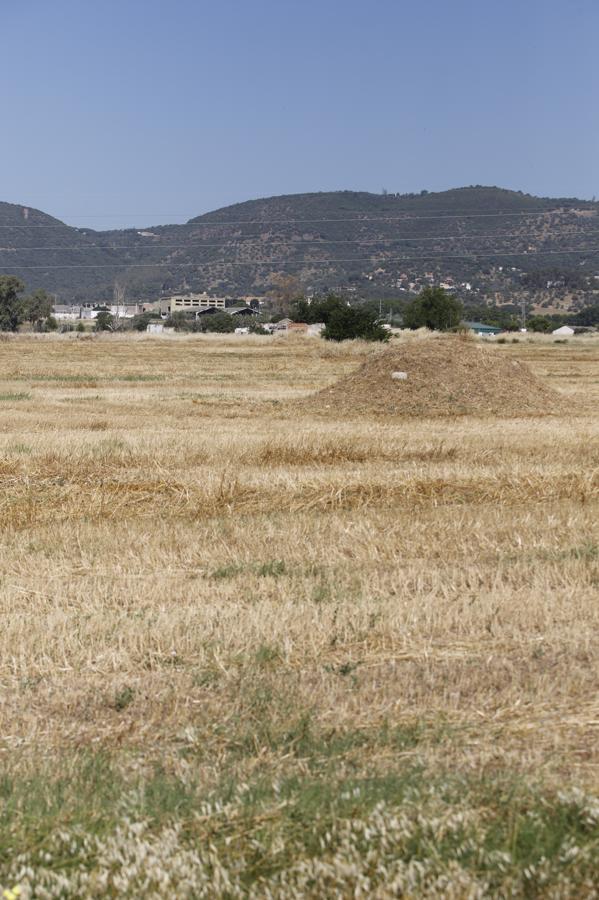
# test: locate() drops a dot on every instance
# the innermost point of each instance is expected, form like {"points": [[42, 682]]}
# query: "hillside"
{"points": [[484, 240]]}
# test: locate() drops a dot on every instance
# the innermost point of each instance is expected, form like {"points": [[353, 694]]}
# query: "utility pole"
{"points": [[523, 313]]}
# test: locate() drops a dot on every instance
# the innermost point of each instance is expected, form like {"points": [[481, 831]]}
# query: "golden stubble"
{"points": [[173, 526]]}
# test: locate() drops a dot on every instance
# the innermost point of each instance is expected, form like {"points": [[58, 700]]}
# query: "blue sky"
{"points": [[136, 113]]}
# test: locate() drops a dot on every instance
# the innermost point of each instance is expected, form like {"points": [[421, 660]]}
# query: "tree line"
{"points": [[434, 308]]}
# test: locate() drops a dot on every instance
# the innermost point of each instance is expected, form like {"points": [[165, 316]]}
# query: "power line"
{"points": [[183, 215], [307, 262], [116, 215], [299, 243], [267, 222]]}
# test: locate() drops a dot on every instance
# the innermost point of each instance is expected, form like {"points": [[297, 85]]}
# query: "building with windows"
{"points": [[190, 303]]}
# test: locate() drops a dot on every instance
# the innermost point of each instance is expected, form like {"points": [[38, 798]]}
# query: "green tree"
{"points": [[540, 323], [104, 320], [507, 318], [283, 290], [433, 308], [219, 322], [11, 306], [347, 322], [319, 309], [37, 308], [588, 315]]}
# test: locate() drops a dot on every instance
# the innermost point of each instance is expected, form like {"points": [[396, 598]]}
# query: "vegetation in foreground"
{"points": [[90, 830], [251, 652]]}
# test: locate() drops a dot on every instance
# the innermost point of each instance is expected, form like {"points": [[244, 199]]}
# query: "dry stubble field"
{"points": [[247, 651]]}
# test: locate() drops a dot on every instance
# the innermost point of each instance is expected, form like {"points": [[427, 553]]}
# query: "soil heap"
{"points": [[440, 376]]}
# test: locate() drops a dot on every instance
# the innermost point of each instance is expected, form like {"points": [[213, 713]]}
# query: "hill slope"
{"points": [[373, 244]]}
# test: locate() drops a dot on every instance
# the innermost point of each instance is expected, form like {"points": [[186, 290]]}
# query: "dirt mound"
{"points": [[444, 376]]}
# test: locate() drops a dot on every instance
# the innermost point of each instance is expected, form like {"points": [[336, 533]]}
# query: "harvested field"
{"points": [[252, 650], [441, 376]]}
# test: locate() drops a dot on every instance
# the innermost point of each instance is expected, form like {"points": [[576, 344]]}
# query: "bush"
{"points": [[104, 321], [343, 322], [541, 324], [348, 322], [320, 309], [141, 322], [180, 321], [218, 322]]}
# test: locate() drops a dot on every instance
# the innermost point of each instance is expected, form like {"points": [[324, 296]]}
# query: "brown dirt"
{"points": [[447, 376]]}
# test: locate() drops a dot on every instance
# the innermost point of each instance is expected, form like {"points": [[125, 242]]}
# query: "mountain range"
{"points": [[480, 239]]}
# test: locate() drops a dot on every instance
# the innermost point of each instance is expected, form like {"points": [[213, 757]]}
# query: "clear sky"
{"points": [[139, 112]]}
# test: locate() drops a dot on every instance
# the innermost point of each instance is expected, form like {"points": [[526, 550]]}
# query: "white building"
{"points": [[564, 331], [66, 312], [118, 310]]}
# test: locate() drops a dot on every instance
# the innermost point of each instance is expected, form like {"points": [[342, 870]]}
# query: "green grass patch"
{"points": [[86, 378], [136, 378], [271, 721], [229, 570], [587, 551], [430, 833], [267, 655], [19, 448], [123, 698], [274, 568], [9, 396]]}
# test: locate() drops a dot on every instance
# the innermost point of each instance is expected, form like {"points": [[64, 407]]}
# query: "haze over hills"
{"points": [[482, 240]]}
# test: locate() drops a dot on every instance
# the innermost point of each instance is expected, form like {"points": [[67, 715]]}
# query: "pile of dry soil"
{"points": [[444, 376]]}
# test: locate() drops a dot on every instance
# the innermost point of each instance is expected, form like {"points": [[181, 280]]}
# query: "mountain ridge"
{"points": [[365, 243]]}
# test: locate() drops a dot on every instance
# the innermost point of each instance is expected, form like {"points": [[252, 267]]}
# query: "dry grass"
{"points": [[190, 568], [446, 375]]}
